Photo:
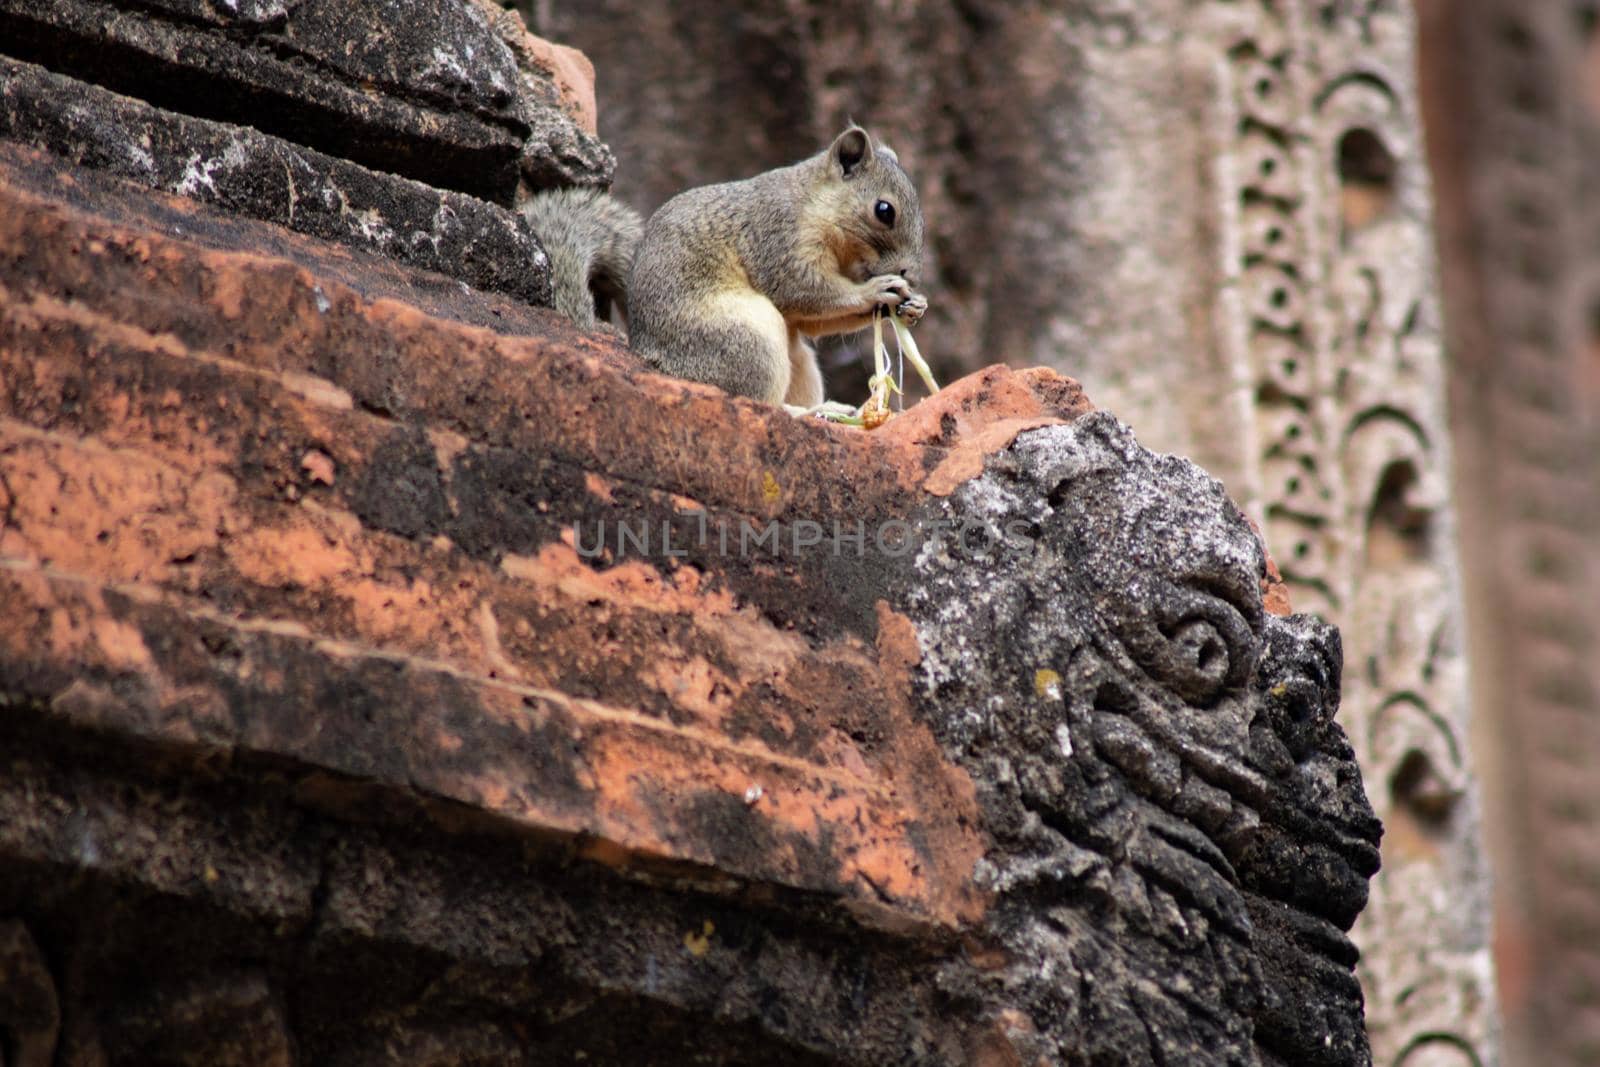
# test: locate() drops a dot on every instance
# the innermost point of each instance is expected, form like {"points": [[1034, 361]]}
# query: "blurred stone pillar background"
{"points": [[1512, 98], [1217, 215]]}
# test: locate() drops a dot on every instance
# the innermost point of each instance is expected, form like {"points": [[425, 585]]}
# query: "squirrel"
{"points": [[727, 284]]}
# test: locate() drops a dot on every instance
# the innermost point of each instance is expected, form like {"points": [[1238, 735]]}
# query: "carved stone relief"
{"points": [[1170, 772], [1338, 317]]}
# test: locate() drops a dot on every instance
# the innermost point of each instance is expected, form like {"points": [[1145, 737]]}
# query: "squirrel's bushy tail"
{"points": [[590, 239]]}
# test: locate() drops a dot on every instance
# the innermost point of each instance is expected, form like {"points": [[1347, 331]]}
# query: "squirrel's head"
{"points": [[872, 202]]}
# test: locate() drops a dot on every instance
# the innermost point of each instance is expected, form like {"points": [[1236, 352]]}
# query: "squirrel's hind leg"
{"points": [[738, 342], [805, 377]]}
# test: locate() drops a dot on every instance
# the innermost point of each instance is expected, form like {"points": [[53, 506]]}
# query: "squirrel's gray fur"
{"points": [[730, 280], [590, 239]]}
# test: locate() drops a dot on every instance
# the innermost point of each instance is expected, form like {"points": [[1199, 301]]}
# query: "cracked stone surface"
{"points": [[449, 93], [260, 176]]}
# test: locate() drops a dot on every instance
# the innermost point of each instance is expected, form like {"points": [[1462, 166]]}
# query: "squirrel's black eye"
{"points": [[885, 212]]}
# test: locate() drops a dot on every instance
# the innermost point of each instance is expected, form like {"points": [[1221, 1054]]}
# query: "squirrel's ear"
{"points": [[851, 149]]}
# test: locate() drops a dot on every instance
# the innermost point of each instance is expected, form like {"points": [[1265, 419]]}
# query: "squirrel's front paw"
{"points": [[893, 291], [888, 290], [911, 309]]}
